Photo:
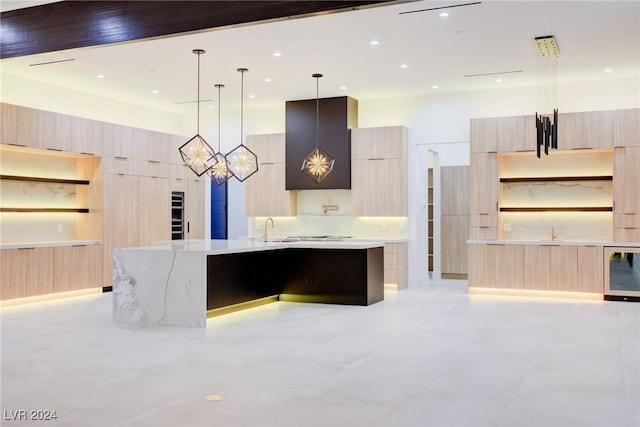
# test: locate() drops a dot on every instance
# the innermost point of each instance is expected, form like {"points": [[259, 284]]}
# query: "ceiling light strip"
{"points": [[440, 7]]}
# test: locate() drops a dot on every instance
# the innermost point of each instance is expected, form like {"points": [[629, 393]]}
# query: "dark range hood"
{"points": [[337, 117]]}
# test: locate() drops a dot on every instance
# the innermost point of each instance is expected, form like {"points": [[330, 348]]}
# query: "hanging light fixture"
{"points": [[219, 172], [318, 164], [242, 162], [196, 153], [546, 129]]}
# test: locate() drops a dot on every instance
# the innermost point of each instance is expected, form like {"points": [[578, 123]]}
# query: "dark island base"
{"points": [[334, 276]]}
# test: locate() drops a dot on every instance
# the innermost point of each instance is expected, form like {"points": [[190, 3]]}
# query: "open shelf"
{"points": [[559, 178], [560, 209], [42, 179], [75, 210]]}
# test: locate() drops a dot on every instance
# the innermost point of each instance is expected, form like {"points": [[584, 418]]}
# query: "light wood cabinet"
{"points": [[453, 246], [483, 195], [626, 179], [495, 266], [378, 143], [193, 209], [154, 209], [484, 135], [590, 269], [26, 272], [537, 271], [379, 171], [511, 134], [564, 268], [569, 131], [396, 264], [265, 193], [597, 129], [626, 128], [77, 267]]}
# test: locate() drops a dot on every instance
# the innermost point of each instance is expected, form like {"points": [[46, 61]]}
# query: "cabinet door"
{"points": [[26, 272], [378, 143], [564, 268], [509, 262], [590, 269], [378, 188], [597, 129], [626, 128], [454, 182], [626, 180], [537, 273], [511, 134], [483, 135], [266, 195], [455, 233], [483, 183], [194, 209], [8, 130], [569, 131], [154, 207], [268, 148]]}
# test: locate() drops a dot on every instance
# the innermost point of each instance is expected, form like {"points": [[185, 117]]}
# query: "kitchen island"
{"points": [[182, 282]]}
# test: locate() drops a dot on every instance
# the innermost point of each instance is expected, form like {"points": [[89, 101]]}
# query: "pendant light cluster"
{"points": [[546, 126], [198, 155], [318, 164]]}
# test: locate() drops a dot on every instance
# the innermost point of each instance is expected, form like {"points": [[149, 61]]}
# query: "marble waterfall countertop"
{"points": [[220, 247], [167, 283]]}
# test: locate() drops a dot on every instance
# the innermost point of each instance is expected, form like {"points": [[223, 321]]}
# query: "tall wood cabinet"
{"points": [[379, 171], [455, 220], [266, 194]]}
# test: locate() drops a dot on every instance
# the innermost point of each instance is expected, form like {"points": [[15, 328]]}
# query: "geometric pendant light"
{"points": [[219, 171], [318, 164], [196, 153], [242, 162]]}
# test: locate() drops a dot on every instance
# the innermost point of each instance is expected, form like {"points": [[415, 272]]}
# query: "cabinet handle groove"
{"points": [[54, 149], [120, 158]]}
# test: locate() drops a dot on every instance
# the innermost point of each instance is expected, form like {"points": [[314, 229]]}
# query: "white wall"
{"points": [[441, 122]]}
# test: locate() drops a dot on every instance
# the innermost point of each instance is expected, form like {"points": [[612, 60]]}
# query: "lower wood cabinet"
{"points": [[45, 270], [396, 264], [566, 268], [26, 272], [77, 267]]}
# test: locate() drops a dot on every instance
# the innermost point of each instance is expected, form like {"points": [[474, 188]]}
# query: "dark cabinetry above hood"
{"points": [[337, 117]]}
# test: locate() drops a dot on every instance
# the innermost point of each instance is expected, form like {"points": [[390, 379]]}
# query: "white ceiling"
{"points": [[489, 38]]}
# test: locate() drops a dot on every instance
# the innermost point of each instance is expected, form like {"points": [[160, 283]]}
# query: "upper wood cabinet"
{"points": [[265, 191], [626, 128], [484, 135], [379, 171], [378, 143], [626, 179], [511, 134]]}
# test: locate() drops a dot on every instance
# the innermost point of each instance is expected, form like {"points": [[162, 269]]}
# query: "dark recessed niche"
{"points": [[337, 117]]}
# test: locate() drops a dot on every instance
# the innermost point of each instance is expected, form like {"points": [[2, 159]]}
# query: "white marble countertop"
{"points": [[27, 245], [552, 243], [220, 247]]}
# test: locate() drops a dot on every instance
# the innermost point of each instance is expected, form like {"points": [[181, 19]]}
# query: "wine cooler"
{"points": [[177, 215]]}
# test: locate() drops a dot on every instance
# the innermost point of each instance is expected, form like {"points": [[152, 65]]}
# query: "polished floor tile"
{"points": [[427, 356]]}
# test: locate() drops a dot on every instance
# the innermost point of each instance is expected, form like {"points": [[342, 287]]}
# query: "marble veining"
{"points": [[159, 287], [560, 194]]}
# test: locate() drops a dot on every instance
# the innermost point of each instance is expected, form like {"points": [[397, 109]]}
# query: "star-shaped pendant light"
{"points": [[318, 164]]}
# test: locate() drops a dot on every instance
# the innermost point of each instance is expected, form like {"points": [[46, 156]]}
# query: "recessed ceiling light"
{"points": [[343, 87], [268, 80], [498, 80], [608, 70], [100, 76], [403, 66], [277, 54], [156, 91], [374, 42], [211, 106], [443, 14], [251, 96], [434, 87]]}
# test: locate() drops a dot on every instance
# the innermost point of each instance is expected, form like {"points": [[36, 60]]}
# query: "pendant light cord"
{"points": [[219, 87], [317, 112], [198, 121]]}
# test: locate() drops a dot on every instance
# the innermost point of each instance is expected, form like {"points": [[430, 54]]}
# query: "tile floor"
{"points": [[426, 356]]}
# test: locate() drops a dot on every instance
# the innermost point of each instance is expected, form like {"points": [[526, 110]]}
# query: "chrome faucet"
{"points": [[264, 232]]}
